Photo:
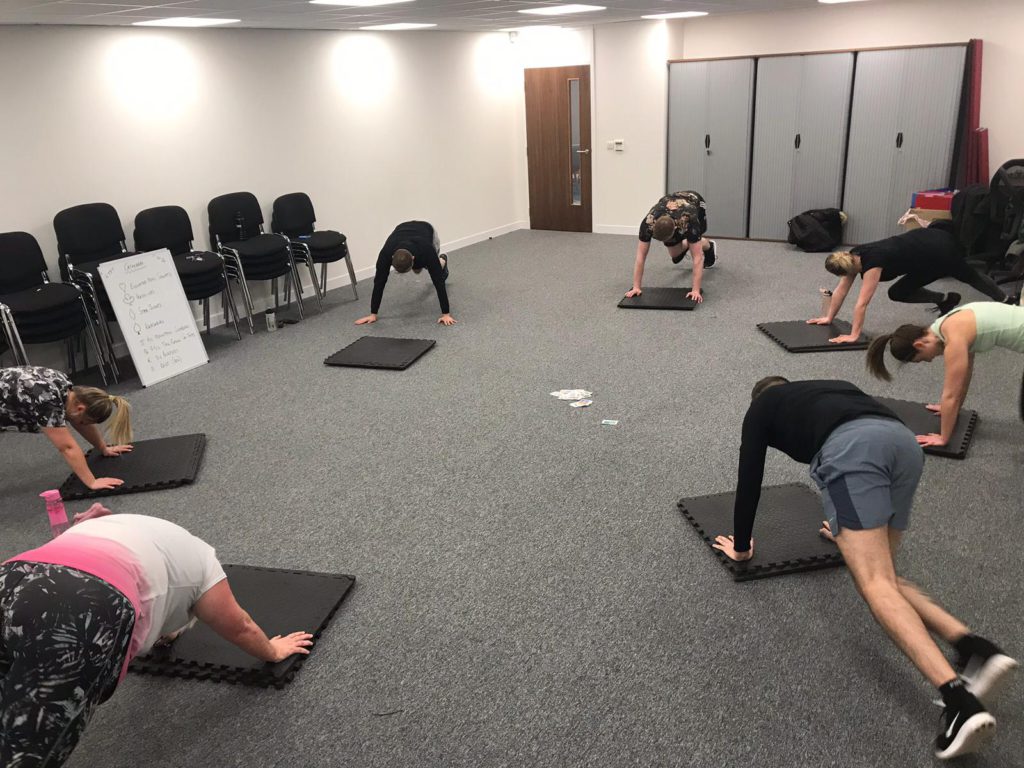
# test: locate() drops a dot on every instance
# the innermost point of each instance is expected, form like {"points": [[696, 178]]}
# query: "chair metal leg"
{"points": [[90, 329], [323, 277], [316, 286], [351, 274], [227, 299], [206, 314], [12, 336], [236, 266], [294, 271]]}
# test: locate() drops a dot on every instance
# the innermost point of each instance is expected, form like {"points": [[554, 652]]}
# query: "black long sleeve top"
{"points": [[795, 418], [417, 237]]}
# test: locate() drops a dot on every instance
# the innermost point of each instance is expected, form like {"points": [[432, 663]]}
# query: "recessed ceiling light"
{"points": [[834, 2], [676, 15], [358, 3], [557, 10], [398, 27], [546, 27], [185, 21]]}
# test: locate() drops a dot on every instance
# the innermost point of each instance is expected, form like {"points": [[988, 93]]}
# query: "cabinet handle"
{"points": [[707, 141], [899, 140], [796, 142]]}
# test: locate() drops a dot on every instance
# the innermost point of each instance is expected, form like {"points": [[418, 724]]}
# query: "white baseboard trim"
{"points": [[479, 237], [614, 229]]}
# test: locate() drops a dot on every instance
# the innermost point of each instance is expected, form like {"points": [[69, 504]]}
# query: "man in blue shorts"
{"points": [[867, 465]]}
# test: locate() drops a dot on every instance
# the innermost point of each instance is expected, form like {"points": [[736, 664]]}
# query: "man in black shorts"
{"points": [[414, 245], [676, 219], [867, 465]]}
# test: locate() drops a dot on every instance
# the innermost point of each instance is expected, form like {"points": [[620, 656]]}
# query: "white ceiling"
{"points": [[467, 15]]}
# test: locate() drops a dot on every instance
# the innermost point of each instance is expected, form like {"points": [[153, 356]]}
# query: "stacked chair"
{"points": [[36, 311], [295, 219], [236, 232], [202, 273], [87, 236]]}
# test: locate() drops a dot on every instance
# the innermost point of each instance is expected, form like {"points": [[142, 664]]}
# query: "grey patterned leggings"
{"points": [[63, 639]]}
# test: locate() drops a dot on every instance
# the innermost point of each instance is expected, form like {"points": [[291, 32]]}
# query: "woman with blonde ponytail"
{"points": [[976, 327], [917, 258], [34, 399]]}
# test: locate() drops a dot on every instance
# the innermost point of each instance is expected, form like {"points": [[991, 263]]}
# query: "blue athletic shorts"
{"points": [[868, 470]]}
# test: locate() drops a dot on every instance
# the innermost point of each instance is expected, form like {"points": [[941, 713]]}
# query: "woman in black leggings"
{"points": [[917, 258]]}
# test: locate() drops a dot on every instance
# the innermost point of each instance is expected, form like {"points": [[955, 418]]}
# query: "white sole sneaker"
{"points": [[993, 675], [973, 735]]}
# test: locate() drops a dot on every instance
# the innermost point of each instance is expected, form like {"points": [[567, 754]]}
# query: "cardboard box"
{"points": [[929, 215]]}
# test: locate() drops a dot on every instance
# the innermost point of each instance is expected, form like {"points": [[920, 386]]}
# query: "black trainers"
{"points": [[710, 255], [680, 257], [949, 302], [983, 666], [965, 727], [444, 272]]}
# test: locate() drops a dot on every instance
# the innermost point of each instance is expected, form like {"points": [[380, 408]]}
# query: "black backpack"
{"points": [[817, 230]]}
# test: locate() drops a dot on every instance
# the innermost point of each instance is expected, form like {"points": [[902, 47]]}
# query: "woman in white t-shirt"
{"points": [[74, 612]]}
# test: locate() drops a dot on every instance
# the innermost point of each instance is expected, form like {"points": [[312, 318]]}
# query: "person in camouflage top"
{"points": [[35, 399], [674, 220]]}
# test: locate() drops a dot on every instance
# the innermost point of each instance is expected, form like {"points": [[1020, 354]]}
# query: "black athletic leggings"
{"points": [[63, 639], [910, 288]]}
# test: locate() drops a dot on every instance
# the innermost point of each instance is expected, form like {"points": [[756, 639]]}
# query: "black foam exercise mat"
{"points": [[152, 465], [280, 602], [786, 538], [799, 336], [661, 298], [921, 421], [381, 352]]}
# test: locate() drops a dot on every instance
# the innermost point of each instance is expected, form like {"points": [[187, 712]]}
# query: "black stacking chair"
{"points": [[295, 219], [38, 311], [236, 232], [89, 235], [202, 273]]}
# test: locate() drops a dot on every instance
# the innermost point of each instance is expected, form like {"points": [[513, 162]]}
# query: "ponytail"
{"points": [[99, 406], [901, 345]]}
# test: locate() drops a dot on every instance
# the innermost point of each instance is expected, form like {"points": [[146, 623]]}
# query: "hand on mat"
{"points": [[116, 450], [105, 483], [695, 296], [96, 510], [367, 319], [819, 321], [932, 438], [727, 545], [934, 408], [826, 531], [846, 338], [446, 320], [633, 292], [296, 642]]}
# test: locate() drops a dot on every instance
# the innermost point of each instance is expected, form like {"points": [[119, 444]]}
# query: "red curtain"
{"points": [[973, 168]]}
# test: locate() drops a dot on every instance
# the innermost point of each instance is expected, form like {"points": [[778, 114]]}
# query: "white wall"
{"points": [[630, 94], [376, 128]]}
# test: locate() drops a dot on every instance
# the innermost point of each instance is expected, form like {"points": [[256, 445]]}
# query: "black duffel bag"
{"points": [[817, 230]]}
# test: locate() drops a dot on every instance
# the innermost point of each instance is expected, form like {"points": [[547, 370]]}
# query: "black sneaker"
{"points": [[444, 272], [949, 302], [680, 257], [710, 255], [983, 666], [965, 727]]}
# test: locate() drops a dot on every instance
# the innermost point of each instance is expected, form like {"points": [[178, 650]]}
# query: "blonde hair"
{"points": [[840, 264], [402, 260], [663, 228], [98, 407]]}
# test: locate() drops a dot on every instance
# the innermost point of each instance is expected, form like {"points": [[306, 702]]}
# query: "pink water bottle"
{"points": [[55, 509]]}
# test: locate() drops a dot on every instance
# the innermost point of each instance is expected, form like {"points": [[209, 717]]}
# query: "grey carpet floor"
{"points": [[528, 593]]}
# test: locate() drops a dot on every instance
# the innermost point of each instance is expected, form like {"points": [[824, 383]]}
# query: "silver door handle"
{"points": [[582, 151]]}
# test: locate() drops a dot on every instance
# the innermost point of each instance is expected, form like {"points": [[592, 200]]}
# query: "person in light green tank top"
{"points": [[956, 337]]}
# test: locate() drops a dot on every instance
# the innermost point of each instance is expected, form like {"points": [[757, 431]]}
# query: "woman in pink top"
{"points": [[74, 612]]}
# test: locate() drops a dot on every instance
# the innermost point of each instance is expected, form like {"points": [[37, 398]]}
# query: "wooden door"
{"points": [[558, 148]]}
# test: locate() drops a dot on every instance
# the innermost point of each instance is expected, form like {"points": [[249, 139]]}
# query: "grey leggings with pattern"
{"points": [[63, 639]]}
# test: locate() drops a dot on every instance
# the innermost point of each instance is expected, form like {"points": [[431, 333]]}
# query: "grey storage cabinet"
{"points": [[800, 120], [902, 132], [709, 114]]}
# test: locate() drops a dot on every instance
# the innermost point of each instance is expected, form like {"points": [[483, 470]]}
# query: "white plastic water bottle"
{"points": [[271, 318]]}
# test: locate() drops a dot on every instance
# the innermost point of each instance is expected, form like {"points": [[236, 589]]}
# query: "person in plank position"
{"points": [[867, 465], [956, 337], [674, 220], [414, 245], [917, 258], [36, 399], [75, 611]]}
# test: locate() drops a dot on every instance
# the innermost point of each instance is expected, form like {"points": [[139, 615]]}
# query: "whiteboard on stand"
{"points": [[155, 317]]}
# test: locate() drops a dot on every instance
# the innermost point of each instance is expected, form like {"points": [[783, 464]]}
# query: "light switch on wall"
{"points": [[611, 145], [620, 145]]}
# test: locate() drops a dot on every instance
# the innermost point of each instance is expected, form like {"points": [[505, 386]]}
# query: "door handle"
{"points": [[899, 140], [796, 142], [582, 151]]}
